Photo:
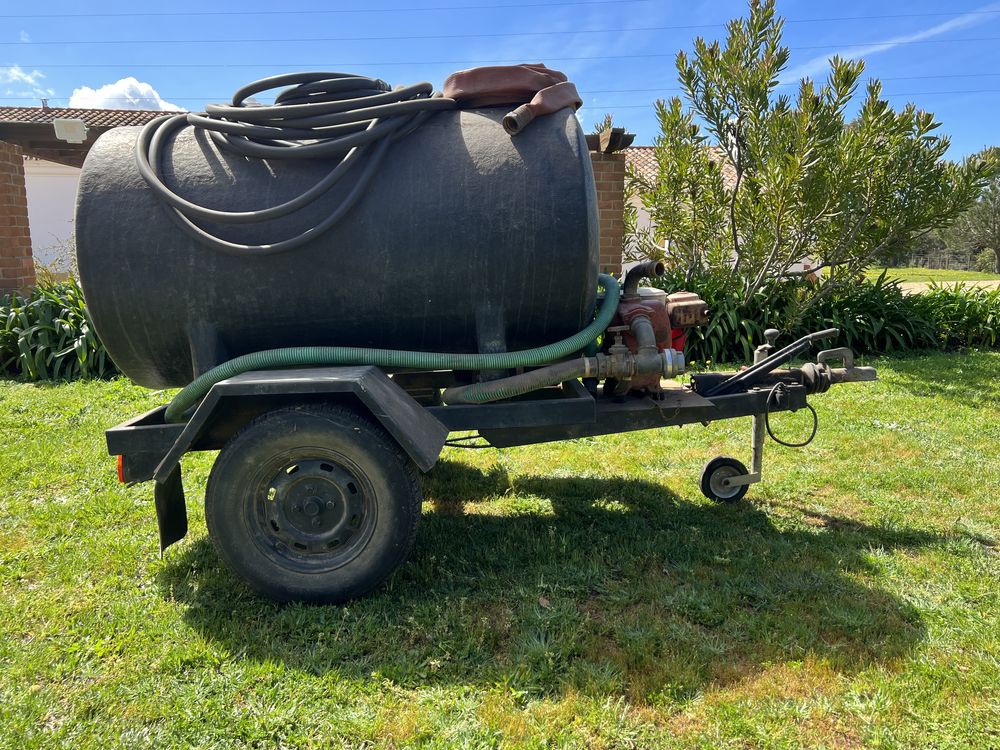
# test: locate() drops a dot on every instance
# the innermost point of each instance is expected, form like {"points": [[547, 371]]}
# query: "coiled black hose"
{"points": [[321, 116]]}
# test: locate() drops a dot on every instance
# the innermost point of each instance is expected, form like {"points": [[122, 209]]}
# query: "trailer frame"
{"points": [[151, 449]]}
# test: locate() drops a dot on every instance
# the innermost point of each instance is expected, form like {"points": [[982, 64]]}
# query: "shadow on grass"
{"points": [[623, 589]]}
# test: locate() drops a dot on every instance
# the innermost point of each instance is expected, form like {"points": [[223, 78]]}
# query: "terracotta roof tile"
{"points": [[643, 160], [94, 118]]}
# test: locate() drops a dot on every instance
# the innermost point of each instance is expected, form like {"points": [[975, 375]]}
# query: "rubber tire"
{"points": [[728, 464], [229, 505]]}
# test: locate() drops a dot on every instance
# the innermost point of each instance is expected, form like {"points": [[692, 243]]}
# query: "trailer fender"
{"points": [[418, 432]]}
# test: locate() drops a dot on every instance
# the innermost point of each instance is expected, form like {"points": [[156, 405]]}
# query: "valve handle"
{"points": [[617, 331]]}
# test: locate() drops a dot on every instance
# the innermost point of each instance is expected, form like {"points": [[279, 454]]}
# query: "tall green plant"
{"points": [[48, 335], [873, 317], [803, 178], [964, 316]]}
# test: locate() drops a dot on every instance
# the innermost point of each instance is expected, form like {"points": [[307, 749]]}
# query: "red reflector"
{"points": [[121, 469]]}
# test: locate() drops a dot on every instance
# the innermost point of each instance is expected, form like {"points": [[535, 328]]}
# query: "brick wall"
{"points": [[17, 269], [609, 175]]}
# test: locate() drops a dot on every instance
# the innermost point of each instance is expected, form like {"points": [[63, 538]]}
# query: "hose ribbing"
{"points": [[516, 385], [313, 356], [339, 116]]}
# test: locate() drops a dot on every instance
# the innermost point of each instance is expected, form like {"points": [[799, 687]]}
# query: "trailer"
{"points": [[315, 493], [425, 273]]}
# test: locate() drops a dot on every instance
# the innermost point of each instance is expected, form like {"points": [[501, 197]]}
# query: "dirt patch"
{"points": [[916, 287]]}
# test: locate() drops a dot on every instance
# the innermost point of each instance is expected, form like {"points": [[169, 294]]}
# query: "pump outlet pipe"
{"points": [[650, 269], [317, 356], [622, 366]]}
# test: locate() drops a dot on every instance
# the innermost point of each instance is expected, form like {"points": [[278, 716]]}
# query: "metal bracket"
{"points": [[171, 510], [739, 481], [842, 354]]}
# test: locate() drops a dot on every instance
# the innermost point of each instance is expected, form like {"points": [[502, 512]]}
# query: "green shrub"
{"points": [[48, 335], [873, 316], [964, 316]]}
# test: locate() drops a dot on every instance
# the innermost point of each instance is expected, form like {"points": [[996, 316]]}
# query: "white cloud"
{"points": [[128, 93], [26, 83], [24, 36], [17, 74], [821, 63]]}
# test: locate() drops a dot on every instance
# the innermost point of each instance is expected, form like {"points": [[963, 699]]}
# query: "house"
{"points": [[642, 160], [50, 189], [39, 170]]}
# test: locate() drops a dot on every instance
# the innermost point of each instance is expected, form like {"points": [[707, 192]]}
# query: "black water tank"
{"points": [[467, 239]]}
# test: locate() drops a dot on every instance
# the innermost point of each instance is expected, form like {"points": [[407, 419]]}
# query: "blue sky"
{"points": [[620, 54]]}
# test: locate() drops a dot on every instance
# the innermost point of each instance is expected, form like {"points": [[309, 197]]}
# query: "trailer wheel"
{"points": [[716, 472], [312, 503]]}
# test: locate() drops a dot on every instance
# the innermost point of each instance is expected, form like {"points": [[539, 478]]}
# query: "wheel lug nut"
{"points": [[329, 504], [315, 522]]}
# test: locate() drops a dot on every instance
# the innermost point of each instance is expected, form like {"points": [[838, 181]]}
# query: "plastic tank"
{"points": [[467, 240]]}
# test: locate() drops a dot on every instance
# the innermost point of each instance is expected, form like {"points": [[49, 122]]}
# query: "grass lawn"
{"points": [[579, 594], [931, 274]]}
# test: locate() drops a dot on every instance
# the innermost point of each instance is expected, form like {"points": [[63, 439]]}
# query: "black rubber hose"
{"points": [[347, 118], [777, 389]]}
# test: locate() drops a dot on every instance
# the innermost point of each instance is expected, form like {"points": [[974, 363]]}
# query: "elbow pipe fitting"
{"points": [[651, 269], [642, 330], [516, 121]]}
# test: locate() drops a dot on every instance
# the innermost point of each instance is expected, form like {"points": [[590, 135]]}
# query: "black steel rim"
{"points": [[311, 511]]}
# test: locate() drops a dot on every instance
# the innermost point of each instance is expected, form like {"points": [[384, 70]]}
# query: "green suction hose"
{"points": [[313, 356]]}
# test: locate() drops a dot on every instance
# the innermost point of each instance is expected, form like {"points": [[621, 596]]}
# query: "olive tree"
{"points": [[752, 180]]}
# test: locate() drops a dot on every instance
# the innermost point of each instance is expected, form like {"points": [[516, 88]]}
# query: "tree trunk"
{"points": [[996, 257]]}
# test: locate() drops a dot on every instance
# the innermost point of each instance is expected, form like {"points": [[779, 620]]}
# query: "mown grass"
{"points": [[579, 594], [931, 275]]}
